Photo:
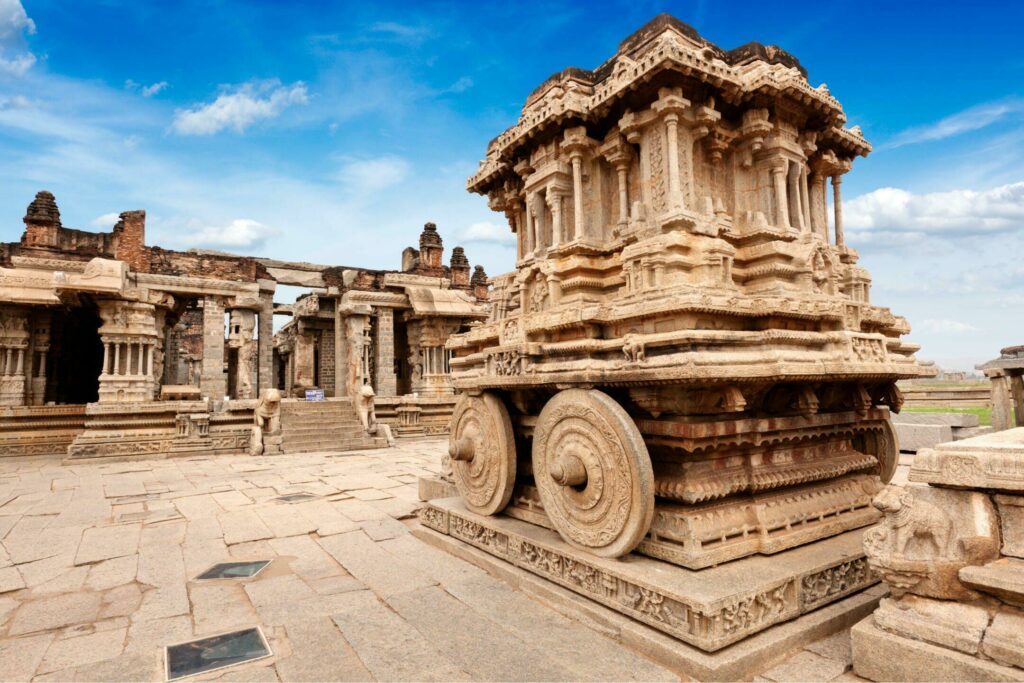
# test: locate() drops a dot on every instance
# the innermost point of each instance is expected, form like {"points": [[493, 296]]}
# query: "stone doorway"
{"points": [[77, 356]]}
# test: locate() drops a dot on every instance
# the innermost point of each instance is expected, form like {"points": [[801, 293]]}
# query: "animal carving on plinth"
{"points": [[368, 415], [266, 420], [907, 518]]}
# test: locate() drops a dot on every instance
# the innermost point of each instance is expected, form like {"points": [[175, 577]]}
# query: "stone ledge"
{"points": [[709, 608], [740, 661], [883, 656]]}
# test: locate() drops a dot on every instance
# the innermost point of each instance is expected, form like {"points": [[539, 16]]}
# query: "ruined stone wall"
{"points": [[327, 355], [207, 265]]}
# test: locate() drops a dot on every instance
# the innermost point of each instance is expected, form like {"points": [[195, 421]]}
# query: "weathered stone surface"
{"points": [[1004, 639], [21, 657], [805, 666], [1003, 578], [883, 656], [984, 462], [72, 652], [362, 558], [104, 543], [942, 622], [912, 437], [710, 608], [390, 648], [928, 535], [958, 420], [320, 653], [1011, 518], [55, 612]]}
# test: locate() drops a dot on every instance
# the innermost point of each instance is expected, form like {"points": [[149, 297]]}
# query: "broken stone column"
{"points": [[241, 338], [951, 550], [213, 381], [265, 374]]}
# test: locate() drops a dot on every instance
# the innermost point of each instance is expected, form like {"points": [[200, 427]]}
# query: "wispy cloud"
{"points": [[367, 175], [954, 213], [240, 107], [486, 231], [146, 90], [105, 222], [945, 326], [974, 118], [406, 33], [241, 233]]}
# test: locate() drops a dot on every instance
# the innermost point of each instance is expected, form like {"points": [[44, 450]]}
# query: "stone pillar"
{"points": [[341, 351], [529, 239], [386, 382], [554, 199], [819, 207], [1017, 395], [577, 196], [356, 345], [805, 202], [622, 172], [265, 373], [241, 338], [213, 381], [837, 206], [675, 192], [1002, 414], [781, 202]]}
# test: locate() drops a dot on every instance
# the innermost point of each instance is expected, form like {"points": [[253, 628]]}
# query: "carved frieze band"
{"points": [[729, 623]]}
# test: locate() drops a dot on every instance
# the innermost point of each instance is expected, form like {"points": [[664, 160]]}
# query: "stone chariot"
{"points": [[685, 363]]}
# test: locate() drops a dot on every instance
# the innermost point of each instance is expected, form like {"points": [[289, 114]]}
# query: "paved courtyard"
{"points": [[98, 564]]}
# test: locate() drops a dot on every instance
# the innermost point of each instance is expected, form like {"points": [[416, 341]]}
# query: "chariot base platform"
{"points": [[718, 623]]}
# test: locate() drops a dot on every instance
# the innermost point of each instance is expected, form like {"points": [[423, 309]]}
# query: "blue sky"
{"points": [[330, 132]]}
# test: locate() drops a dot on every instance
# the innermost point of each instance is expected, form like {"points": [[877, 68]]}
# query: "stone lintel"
{"points": [[991, 461]]}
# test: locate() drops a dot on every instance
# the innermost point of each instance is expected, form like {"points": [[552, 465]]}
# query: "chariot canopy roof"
{"points": [[750, 75]]}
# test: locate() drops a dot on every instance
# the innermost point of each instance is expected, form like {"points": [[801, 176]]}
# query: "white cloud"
{"points": [[461, 85], [953, 213], [15, 102], [362, 175], [945, 326], [974, 118], [13, 21], [106, 221], [239, 233], [14, 24], [240, 108], [17, 65], [486, 231]]}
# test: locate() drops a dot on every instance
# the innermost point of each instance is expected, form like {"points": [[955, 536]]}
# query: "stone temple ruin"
{"points": [[685, 364], [110, 347]]}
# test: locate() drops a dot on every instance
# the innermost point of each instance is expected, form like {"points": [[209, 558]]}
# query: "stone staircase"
{"points": [[329, 425]]}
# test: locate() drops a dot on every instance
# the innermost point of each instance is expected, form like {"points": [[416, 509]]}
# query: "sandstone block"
{"points": [[1004, 639], [943, 622], [884, 656], [912, 437]]}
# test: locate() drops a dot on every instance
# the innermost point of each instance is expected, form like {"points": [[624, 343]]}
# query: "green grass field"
{"points": [[984, 414]]}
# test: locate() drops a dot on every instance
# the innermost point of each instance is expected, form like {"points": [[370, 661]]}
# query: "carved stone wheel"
{"points": [[593, 472], [482, 449], [882, 445]]}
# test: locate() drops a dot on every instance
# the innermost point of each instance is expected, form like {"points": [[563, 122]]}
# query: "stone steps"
{"points": [[323, 426]]}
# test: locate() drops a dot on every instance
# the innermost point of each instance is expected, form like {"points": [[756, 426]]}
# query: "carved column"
{"points": [[819, 207], [781, 201], [837, 206], [529, 239], [554, 199], [387, 383], [577, 196], [135, 327]]}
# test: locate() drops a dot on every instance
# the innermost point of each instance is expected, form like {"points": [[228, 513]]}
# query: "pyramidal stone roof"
{"points": [[43, 209]]}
